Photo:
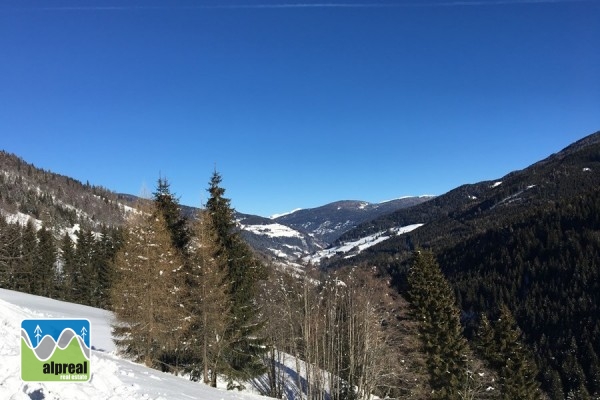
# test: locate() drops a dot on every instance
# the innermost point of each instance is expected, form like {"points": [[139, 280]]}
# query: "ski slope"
{"points": [[112, 376]]}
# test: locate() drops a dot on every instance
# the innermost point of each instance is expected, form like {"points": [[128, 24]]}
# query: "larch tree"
{"points": [[207, 299], [146, 294]]}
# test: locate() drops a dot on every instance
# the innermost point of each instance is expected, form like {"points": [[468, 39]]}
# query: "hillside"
{"points": [[529, 240], [56, 200], [474, 208], [328, 222]]}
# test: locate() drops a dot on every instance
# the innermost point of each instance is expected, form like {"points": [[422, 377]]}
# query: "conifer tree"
{"points": [[244, 272], [146, 295], [68, 268], [434, 307], [500, 345], [10, 257], [24, 281], [107, 246], [45, 260], [518, 374], [169, 206], [208, 301], [84, 280]]}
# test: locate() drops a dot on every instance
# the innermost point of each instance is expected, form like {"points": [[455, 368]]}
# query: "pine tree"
{"points": [[146, 294], [434, 307], [244, 272]]}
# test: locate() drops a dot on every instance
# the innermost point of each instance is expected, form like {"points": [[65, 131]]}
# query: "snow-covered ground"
{"points": [[352, 248], [272, 230], [112, 376]]}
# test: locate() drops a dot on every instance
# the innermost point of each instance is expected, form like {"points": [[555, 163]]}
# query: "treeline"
{"points": [[75, 269]]}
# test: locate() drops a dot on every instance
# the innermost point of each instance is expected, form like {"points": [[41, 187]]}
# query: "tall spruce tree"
{"points": [[45, 272], [500, 345], [169, 207], [69, 273], [434, 307], [24, 281], [518, 372], [244, 272]]}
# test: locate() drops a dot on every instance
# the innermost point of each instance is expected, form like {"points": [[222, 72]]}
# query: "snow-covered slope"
{"points": [[352, 248], [112, 377]]}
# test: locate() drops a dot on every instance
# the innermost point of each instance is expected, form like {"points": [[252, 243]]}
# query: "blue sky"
{"points": [[297, 104]]}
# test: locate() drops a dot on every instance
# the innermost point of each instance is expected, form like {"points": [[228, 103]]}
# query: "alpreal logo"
{"points": [[54, 349]]}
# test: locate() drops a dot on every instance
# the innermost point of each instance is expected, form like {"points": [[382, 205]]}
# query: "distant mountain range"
{"points": [[28, 193]]}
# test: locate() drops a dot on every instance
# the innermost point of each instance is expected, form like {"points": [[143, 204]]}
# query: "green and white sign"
{"points": [[56, 350]]}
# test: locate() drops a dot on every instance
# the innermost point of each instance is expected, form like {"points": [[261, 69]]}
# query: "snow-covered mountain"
{"points": [[327, 223], [113, 378], [294, 235]]}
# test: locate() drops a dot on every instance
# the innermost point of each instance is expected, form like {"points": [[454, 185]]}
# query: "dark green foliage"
{"points": [[45, 261], [545, 269], [169, 207], [435, 309], [25, 280], [531, 243], [244, 272], [35, 262], [69, 276], [500, 345]]}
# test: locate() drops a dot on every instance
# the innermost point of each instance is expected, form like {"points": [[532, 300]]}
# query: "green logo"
{"points": [[55, 350]]}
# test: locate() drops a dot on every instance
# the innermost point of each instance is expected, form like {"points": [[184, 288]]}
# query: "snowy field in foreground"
{"points": [[112, 377]]}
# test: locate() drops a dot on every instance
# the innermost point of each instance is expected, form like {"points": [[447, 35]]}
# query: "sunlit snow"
{"points": [[113, 378], [350, 249], [272, 230]]}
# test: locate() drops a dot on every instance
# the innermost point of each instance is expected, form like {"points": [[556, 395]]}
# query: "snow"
{"points": [[274, 216], [496, 184], [586, 169], [22, 219], [272, 230], [407, 197], [112, 377], [354, 247]]}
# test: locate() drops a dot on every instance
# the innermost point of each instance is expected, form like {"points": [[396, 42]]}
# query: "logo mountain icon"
{"points": [[60, 355]]}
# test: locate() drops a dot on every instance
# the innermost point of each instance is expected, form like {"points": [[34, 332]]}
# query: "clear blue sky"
{"points": [[296, 103]]}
